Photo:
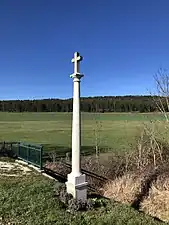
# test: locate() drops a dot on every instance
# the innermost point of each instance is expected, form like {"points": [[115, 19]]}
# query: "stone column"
{"points": [[76, 126], [76, 184]]}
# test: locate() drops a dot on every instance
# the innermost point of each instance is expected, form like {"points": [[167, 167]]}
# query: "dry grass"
{"points": [[123, 189], [145, 180], [109, 165], [157, 203]]}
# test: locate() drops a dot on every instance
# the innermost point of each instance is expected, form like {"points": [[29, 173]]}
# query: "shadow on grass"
{"points": [[145, 188]]}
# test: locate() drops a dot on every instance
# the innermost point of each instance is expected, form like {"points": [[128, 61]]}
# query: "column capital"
{"points": [[76, 76]]}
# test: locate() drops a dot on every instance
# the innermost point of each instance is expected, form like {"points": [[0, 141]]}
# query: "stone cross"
{"points": [[76, 184], [76, 60]]}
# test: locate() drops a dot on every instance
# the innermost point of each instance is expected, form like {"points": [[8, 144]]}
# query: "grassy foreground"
{"points": [[117, 131], [30, 201]]}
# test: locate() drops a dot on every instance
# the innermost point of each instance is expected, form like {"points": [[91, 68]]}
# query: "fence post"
{"points": [[27, 152], [18, 149], [41, 157]]}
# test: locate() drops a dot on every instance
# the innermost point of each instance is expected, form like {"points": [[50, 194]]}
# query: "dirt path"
{"points": [[13, 169]]}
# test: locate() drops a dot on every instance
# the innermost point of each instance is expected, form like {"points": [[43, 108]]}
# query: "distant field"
{"points": [[117, 130]]}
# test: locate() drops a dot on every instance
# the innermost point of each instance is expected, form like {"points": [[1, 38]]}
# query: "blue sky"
{"points": [[123, 42]]}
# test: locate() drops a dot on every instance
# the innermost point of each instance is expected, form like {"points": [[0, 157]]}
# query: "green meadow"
{"points": [[113, 131]]}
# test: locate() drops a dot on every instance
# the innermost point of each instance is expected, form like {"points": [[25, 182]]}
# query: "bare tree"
{"points": [[162, 96]]}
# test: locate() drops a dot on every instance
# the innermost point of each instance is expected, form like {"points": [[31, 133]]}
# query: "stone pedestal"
{"points": [[76, 184]]}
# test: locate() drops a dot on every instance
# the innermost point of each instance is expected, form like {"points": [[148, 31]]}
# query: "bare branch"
{"points": [[162, 87]]}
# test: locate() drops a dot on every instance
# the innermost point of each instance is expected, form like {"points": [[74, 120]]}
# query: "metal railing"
{"points": [[30, 153]]}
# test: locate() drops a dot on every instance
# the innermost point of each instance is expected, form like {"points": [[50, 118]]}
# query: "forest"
{"points": [[88, 104]]}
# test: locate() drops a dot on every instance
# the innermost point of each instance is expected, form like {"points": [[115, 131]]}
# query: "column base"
{"points": [[77, 186]]}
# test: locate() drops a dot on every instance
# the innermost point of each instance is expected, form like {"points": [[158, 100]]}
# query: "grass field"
{"points": [[117, 130], [31, 200]]}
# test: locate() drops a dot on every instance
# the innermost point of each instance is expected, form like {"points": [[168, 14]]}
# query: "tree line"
{"points": [[88, 104]]}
